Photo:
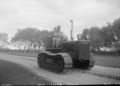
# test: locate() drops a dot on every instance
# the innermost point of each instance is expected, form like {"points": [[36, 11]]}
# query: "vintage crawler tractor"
{"points": [[70, 54]]}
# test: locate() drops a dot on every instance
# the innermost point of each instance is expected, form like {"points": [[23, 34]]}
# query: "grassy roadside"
{"points": [[13, 74], [108, 61], [102, 60]]}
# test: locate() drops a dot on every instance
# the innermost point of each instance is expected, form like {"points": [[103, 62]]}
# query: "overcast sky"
{"points": [[45, 14]]}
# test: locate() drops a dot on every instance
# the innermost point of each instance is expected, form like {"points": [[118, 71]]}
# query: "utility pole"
{"points": [[71, 31]]}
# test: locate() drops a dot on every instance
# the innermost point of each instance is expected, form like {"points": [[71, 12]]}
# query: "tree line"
{"points": [[105, 36], [30, 38]]}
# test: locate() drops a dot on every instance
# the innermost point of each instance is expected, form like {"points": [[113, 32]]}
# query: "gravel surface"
{"points": [[101, 60], [101, 71], [73, 77]]}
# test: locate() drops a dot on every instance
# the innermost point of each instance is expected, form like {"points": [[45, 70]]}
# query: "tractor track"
{"points": [[100, 73]]}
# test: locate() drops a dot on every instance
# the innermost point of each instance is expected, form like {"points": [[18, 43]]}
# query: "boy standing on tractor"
{"points": [[56, 37]]}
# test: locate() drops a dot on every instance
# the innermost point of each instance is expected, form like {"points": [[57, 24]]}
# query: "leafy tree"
{"points": [[25, 38], [95, 38], [3, 40], [116, 28], [108, 35]]}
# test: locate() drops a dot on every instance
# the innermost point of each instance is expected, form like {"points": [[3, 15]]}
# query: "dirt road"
{"points": [[74, 77]]}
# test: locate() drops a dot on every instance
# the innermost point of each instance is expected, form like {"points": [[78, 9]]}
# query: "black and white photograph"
{"points": [[59, 42]]}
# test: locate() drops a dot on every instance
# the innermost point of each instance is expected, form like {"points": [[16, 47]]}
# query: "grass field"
{"points": [[109, 61], [103, 60], [13, 74]]}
